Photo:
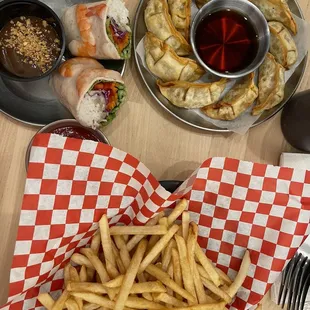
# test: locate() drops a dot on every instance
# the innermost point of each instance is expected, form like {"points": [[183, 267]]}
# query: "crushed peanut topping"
{"points": [[31, 38]]}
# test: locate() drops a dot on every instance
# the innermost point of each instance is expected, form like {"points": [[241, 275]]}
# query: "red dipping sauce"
{"points": [[75, 132], [226, 41]]}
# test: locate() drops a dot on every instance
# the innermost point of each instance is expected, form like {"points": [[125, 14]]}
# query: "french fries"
{"points": [[83, 274], [148, 287], [162, 276], [170, 273], [71, 304], [211, 306], [117, 282], [89, 306], [185, 224], [119, 262], [207, 265], [216, 290], [125, 257], [224, 277], [46, 300], [97, 263], [136, 239], [243, 271], [177, 211], [81, 260], [74, 276], [67, 274], [95, 243], [130, 275], [167, 254], [158, 266], [170, 300], [185, 268], [158, 247], [138, 230], [142, 279], [90, 287], [107, 246], [60, 302], [177, 270], [98, 288], [191, 244]]}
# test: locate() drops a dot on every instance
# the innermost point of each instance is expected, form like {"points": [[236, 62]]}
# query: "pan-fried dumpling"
{"points": [[158, 21], [180, 11], [201, 3], [271, 85], [192, 95], [236, 101], [277, 10], [166, 64], [282, 45]]}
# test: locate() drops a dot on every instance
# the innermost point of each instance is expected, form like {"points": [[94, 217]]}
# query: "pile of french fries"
{"points": [[156, 266]]}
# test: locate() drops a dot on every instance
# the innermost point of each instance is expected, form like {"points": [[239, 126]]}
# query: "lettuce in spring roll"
{"points": [[92, 93]]}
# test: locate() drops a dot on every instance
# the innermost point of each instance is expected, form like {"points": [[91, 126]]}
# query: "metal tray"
{"points": [[190, 117], [34, 102]]}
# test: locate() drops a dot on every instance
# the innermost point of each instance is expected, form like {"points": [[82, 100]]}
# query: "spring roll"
{"points": [[92, 93], [99, 30]]}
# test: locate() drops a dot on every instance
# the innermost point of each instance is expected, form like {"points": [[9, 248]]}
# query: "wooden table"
{"points": [[169, 148]]}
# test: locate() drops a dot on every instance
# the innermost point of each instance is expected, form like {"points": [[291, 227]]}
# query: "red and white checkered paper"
{"points": [[238, 205]]}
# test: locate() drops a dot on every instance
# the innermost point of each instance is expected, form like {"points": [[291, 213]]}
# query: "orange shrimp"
{"points": [[96, 10], [66, 70], [82, 21], [82, 15]]}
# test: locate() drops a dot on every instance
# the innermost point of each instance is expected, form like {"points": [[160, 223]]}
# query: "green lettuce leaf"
{"points": [[126, 52]]}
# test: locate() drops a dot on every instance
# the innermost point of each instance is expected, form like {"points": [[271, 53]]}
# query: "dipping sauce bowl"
{"points": [[230, 38], [69, 128]]}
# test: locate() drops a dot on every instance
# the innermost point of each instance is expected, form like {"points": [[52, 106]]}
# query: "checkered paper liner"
{"points": [[238, 205]]}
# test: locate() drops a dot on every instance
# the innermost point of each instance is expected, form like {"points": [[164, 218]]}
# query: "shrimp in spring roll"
{"points": [[98, 30], [92, 93]]}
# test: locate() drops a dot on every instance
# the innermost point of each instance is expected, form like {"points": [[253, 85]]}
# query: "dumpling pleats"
{"points": [[282, 45], [158, 21], [163, 62], [271, 84], [277, 10], [180, 11], [238, 99], [192, 95]]}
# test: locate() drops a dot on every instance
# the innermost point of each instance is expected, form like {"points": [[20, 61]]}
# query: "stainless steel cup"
{"points": [[247, 9], [63, 123]]}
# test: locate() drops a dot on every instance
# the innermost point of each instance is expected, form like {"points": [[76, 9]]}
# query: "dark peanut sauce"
{"points": [[29, 46]]}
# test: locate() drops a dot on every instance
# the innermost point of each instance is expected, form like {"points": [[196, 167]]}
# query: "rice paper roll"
{"points": [[99, 30], [92, 93]]}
